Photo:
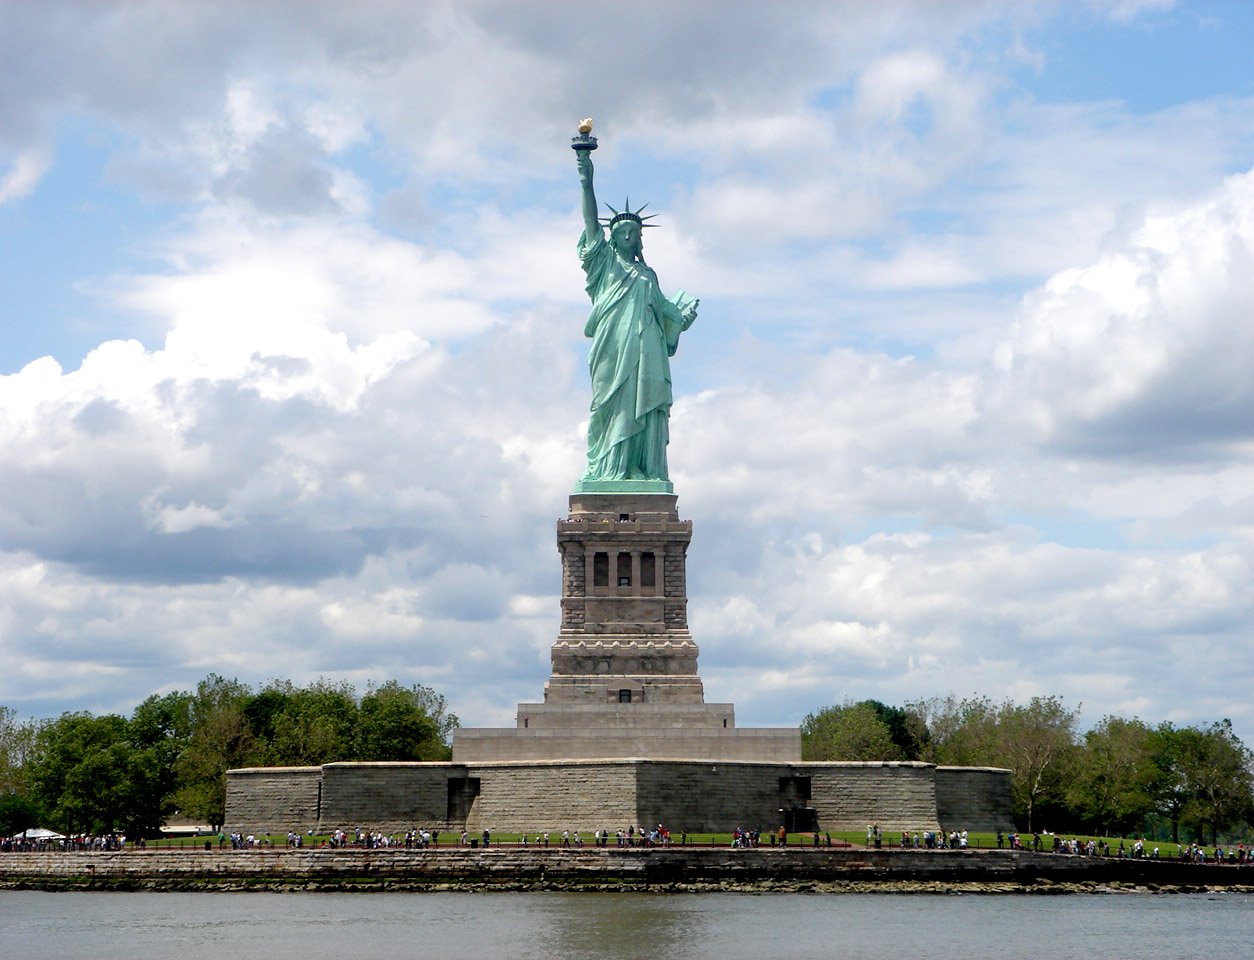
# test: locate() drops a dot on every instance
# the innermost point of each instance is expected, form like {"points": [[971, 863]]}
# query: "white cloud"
{"points": [[1125, 11], [339, 450], [1147, 351], [27, 169]]}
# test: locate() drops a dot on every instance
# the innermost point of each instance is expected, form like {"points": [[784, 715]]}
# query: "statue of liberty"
{"points": [[635, 331]]}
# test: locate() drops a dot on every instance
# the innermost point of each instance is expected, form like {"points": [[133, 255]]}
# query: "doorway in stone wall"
{"points": [[799, 819], [462, 792], [795, 812]]}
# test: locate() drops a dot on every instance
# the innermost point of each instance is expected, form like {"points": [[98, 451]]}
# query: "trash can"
{"points": [[474, 843], [208, 845]]}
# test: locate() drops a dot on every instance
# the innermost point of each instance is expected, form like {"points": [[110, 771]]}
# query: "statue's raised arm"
{"points": [[591, 225], [634, 330]]}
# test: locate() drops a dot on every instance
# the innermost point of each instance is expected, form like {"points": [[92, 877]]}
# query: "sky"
{"points": [[293, 381]]}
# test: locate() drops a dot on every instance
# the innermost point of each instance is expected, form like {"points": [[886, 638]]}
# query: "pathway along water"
{"points": [[521, 926]]}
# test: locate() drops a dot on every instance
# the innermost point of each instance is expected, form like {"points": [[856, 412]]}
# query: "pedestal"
{"points": [[624, 681], [624, 635]]}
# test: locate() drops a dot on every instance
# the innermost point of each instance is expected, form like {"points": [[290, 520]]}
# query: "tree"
{"points": [[17, 743], [392, 724], [906, 729], [263, 709], [1207, 776], [436, 707], [220, 739], [91, 777], [160, 729], [91, 773], [1117, 778], [17, 813], [959, 732], [1172, 792], [318, 724], [1038, 742], [853, 731]]}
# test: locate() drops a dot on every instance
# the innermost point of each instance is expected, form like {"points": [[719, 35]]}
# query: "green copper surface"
{"points": [[624, 486], [635, 331]]}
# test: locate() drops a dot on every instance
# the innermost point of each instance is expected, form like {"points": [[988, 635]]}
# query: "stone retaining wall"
{"points": [[892, 796], [591, 868], [385, 797], [554, 796], [973, 798], [585, 795], [273, 799], [709, 797]]}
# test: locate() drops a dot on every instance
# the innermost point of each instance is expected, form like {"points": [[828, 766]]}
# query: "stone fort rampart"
{"points": [[586, 795]]}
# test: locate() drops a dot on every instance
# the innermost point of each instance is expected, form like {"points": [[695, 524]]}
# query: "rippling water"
{"points": [[485, 926]]}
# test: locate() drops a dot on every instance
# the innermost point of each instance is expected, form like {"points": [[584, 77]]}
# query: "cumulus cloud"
{"points": [[343, 446], [281, 174], [1147, 352], [918, 526], [894, 517]]}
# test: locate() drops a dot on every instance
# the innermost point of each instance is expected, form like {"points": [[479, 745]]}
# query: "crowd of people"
{"points": [[631, 836], [420, 838], [25, 844], [921, 839]]}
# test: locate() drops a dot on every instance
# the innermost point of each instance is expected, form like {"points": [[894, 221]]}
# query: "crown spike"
{"points": [[627, 214]]}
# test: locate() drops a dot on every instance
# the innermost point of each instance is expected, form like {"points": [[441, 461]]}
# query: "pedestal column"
{"points": [[619, 643]]}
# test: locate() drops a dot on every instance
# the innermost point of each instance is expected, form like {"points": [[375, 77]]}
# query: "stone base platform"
{"points": [[657, 743], [683, 717], [659, 731]]}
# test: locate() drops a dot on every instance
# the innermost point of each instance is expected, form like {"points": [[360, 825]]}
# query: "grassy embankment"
{"points": [[857, 839]]}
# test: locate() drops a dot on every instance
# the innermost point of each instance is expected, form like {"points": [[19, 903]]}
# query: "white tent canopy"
{"points": [[42, 833]]}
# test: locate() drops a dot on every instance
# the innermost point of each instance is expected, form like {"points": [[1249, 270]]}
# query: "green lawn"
{"points": [[856, 838]]}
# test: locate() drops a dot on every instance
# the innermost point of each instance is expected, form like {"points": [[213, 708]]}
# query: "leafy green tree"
{"points": [[161, 728], [91, 773], [17, 813], [435, 705], [318, 724], [90, 776], [17, 743], [959, 732], [1171, 796], [1117, 777], [1208, 780], [852, 731], [393, 725], [220, 738], [906, 729], [263, 709], [1038, 742], [1035, 741]]}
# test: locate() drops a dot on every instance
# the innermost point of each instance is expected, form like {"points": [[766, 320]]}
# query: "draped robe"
{"points": [[634, 331]]}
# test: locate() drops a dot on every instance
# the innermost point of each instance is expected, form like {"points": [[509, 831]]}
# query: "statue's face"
{"points": [[626, 237]]}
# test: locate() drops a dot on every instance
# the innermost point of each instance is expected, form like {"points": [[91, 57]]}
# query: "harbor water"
{"points": [[709, 926]]}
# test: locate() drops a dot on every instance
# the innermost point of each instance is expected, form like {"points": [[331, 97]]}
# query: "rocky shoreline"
{"points": [[684, 870], [905, 888]]}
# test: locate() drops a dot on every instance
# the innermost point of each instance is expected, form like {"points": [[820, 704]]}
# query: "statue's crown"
{"points": [[628, 214]]}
